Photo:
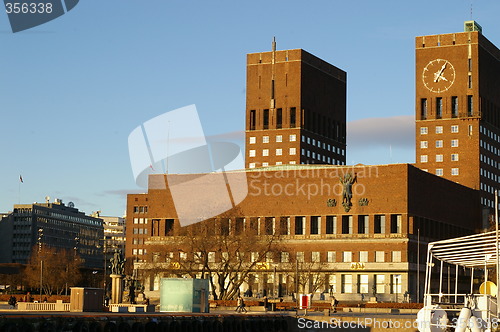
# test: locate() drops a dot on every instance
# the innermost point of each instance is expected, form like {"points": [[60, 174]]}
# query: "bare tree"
{"points": [[58, 269], [305, 276], [225, 250]]}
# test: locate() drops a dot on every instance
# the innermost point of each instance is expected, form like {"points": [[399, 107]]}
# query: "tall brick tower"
{"points": [[295, 110], [458, 109]]}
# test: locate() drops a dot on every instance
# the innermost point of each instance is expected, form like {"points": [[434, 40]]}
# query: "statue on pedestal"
{"points": [[117, 263], [117, 274]]}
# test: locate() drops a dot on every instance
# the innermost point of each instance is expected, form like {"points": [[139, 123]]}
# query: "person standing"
{"points": [[12, 302]]}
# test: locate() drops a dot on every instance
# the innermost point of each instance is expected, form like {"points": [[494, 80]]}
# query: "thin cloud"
{"points": [[397, 131]]}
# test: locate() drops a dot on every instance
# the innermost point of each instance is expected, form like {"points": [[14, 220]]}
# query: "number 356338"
{"points": [[28, 8]]}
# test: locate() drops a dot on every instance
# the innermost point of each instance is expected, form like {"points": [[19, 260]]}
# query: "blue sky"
{"points": [[72, 90]]}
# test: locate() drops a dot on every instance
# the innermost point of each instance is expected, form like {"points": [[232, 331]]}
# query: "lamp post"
{"points": [[40, 236], [105, 254], [496, 249]]}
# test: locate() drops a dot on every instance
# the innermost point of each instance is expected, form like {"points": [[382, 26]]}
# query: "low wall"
{"points": [[32, 306], [131, 307], [149, 323]]}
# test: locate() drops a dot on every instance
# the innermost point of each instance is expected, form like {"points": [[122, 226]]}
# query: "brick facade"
{"points": [[367, 238]]}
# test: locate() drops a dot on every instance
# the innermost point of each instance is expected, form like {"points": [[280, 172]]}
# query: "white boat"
{"points": [[460, 306]]}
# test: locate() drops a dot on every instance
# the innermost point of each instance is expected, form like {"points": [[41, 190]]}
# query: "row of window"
{"points": [[489, 147], [440, 172], [439, 129], [487, 188], [282, 225], [439, 144], [439, 107], [278, 138], [322, 145], [489, 175], [285, 257], [319, 157], [140, 209], [488, 202], [347, 285], [485, 131], [488, 160], [140, 220], [278, 152], [140, 231], [292, 118], [439, 158], [297, 225], [265, 164], [141, 251]]}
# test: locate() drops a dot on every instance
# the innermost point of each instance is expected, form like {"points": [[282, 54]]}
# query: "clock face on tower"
{"points": [[438, 75]]}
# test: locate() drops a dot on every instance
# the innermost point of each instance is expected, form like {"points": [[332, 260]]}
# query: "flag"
{"points": [[21, 178]]}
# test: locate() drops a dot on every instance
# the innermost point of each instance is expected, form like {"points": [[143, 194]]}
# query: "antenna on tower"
{"points": [[471, 9], [274, 44]]}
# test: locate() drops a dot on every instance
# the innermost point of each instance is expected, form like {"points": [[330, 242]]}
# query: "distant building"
{"points": [[114, 233], [6, 227], [114, 240], [53, 225]]}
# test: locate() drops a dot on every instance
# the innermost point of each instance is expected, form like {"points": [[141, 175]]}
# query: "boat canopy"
{"points": [[472, 251]]}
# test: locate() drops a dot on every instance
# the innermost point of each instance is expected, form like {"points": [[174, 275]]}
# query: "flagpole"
{"points": [[19, 190]]}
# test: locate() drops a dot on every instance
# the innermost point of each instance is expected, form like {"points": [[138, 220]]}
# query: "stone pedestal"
{"points": [[116, 288]]}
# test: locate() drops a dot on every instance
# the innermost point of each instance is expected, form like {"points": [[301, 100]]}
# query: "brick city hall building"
{"points": [[354, 231]]}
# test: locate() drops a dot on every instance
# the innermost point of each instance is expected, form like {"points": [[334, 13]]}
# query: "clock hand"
{"points": [[439, 73]]}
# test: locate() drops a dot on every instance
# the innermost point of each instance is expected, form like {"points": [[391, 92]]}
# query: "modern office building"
{"points": [[54, 225], [458, 110], [360, 230], [295, 110]]}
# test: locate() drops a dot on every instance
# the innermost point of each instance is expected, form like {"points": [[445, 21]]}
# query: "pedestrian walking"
{"points": [[240, 307]]}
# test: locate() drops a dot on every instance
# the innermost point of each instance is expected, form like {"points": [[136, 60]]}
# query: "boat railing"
{"points": [[484, 307]]}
